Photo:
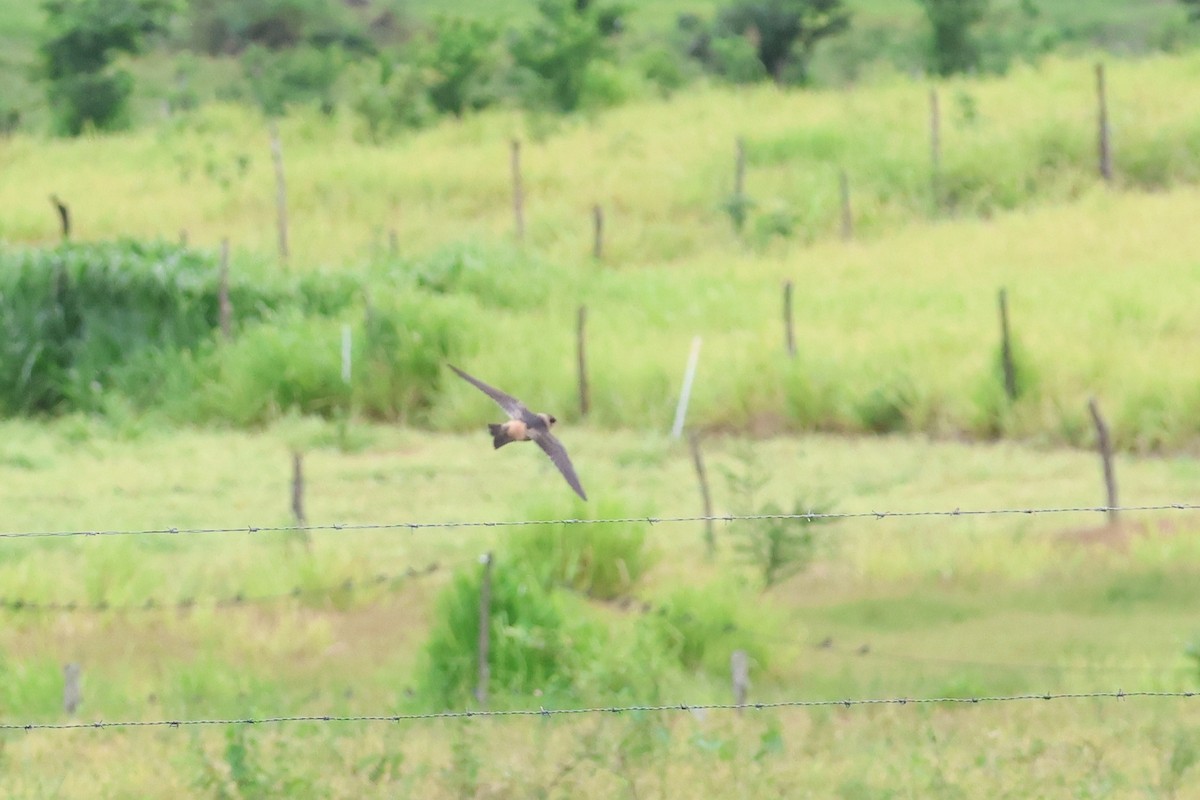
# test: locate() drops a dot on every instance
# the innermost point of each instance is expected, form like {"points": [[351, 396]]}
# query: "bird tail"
{"points": [[500, 436]]}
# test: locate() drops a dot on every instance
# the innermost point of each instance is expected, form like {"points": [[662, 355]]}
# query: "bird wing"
{"points": [[511, 405], [558, 454]]}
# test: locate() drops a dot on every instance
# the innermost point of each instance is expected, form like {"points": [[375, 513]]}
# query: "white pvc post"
{"points": [[685, 394], [346, 354]]}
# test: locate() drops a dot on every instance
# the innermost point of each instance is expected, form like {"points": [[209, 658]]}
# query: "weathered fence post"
{"points": [[788, 324], [280, 191], [739, 170], [518, 192], [935, 149], [1103, 144], [485, 621], [847, 216], [1006, 353], [183, 237], [710, 536], [685, 393], [1104, 444], [72, 687], [393, 243], [597, 232], [64, 216], [739, 664], [581, 353], [347, 353], [224, 306], [298, 488]]}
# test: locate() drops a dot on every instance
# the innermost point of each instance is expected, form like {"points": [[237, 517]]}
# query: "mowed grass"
{"points": [[943, 606]]}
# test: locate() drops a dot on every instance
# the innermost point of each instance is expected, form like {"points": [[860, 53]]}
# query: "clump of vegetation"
{"points": [[779, 548], [602, 560]]}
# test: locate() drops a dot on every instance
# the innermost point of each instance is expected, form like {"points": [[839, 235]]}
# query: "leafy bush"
{"points": [[698, 627], [601, 560], [537, 641], [553, 56], [783, 32], [391, 101], [953, 47], [304, 74], [497, 277], [83, 36], [460, 64]]}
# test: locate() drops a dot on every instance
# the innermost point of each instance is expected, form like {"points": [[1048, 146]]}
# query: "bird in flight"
{"points": [[523, 425]]}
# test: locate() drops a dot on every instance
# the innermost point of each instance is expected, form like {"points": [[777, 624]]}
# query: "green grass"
{"points": [[946, 606]]}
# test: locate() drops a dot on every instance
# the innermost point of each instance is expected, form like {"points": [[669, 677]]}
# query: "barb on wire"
{"points": [[559, 712], [730, 518], [391, 581]]}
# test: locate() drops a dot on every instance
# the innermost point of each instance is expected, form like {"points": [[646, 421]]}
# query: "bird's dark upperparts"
{"points": [[524, 425]]}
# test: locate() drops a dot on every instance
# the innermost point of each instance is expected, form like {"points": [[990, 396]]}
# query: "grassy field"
{"points": [[1097, 278], [945, 606]]}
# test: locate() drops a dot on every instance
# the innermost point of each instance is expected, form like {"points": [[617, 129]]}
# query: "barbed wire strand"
{"points": [[651, 520], [391, 581], [560, 712]]}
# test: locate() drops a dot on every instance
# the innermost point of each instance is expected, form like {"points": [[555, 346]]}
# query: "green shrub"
{"points": [[398, 365], [497, 277], [537, 640], [698, 627], [601, 560]]}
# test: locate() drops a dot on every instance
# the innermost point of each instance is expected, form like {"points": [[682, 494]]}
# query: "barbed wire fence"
{"points": [[395, 579]]}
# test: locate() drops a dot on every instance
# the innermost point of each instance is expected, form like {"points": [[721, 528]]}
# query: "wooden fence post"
{"points": [[72, 688], [1103, 144], [224, 306], [739, 170], [518, 192], [280, 191], [739, 664], [847, 217], [581, 353], [64, 216], [597, 232], [485, 621], [935, 149], [710, 536], [1006, 353], [1104, 444], [298, 488], [788, 324]]}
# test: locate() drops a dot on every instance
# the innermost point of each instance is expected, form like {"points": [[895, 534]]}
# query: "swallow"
{"points": [[522, 426]]}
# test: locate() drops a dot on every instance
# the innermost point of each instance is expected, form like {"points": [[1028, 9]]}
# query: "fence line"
{"points": [[651, 520], [560, 712], [230, 601]]}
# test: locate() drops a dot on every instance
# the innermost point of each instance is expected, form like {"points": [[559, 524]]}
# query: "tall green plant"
{"points": [[82, 39], [953, 47]]}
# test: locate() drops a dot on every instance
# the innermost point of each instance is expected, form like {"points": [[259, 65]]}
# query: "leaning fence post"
{"points": [[485, 623], [1104, 444], [710, 536], [739, 664], [64, 216], [685, 393]]}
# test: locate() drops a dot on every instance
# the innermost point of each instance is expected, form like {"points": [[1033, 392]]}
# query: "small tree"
{"points": [[953, 47], [459, 64], [784, 32], [82, 38], [1193, 9], [561, 46]]}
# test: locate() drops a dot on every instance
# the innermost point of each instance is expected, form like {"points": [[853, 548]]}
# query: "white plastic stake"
{"points": [[346, 354], [686, 393]]}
